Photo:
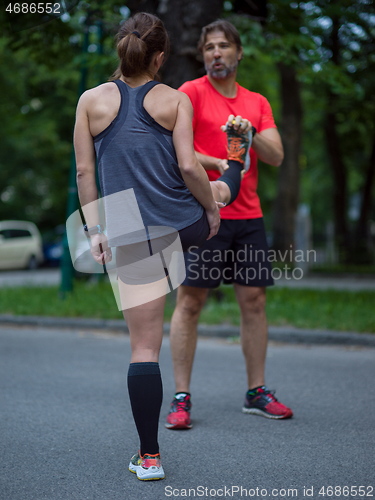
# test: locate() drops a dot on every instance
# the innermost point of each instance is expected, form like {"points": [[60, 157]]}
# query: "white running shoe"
{"points": [[147, 468]]}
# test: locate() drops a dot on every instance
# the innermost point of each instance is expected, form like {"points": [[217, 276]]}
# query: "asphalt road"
{"points": [[67, 431]]}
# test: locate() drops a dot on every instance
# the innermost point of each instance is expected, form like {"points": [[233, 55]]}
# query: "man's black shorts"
{"points": [[237, 254]]}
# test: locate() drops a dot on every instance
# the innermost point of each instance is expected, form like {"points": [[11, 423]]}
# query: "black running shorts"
{"points": [[140, 263], [237, 254]]}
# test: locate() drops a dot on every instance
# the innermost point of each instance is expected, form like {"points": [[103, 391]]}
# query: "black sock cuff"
{"points": [[147, 368]]}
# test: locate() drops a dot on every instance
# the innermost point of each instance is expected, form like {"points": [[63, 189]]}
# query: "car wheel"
{"points": [[32, 263]]}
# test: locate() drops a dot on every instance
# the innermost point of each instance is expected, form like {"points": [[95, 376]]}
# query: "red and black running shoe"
{"points": [[261, 401], [238, 146], [179, 414]]}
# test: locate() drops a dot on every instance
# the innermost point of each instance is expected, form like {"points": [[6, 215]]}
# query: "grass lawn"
{"points": [[324, 309]]}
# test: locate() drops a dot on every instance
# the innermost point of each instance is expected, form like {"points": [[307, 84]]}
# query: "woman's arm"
{"points": [[192, 171], [85, 159], [86, 178]]}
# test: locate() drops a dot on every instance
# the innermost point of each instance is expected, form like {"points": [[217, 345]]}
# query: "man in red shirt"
{"points": [[238, 253]]}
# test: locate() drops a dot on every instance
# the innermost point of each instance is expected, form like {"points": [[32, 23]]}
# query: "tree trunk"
{"points": [[362, 231], [340, 204], [184, 21], [286, 203]]}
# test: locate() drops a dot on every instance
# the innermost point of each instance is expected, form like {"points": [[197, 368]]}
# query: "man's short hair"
{"points": [[226, 27]]}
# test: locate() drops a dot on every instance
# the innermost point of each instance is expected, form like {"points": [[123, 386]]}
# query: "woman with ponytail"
{"points": [[140, 133]]}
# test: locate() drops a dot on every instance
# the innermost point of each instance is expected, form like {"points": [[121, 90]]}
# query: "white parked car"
{"points": [[20, 245]]}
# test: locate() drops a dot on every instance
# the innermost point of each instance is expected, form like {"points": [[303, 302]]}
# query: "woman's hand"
{"points": [[222, 165], [213, 218], [100, 250]]}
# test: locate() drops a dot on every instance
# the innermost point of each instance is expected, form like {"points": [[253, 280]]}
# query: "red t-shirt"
{"points": [[211, 109]]}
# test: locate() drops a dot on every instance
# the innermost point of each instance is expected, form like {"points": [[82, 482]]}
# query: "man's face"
{"points": [[220, 56]]}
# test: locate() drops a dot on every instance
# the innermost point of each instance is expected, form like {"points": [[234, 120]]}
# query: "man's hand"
{"points": [[241, 125], [239, 140]]}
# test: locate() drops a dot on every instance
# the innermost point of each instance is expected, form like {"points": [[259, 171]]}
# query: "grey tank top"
{"points": [[135, 152]]}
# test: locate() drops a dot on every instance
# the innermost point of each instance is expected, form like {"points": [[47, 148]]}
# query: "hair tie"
{"points": [[136, 33]]}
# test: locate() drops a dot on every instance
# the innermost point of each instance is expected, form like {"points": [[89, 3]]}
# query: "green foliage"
{"points": [[301, 34], [86, 300], [41, 76], [36, 135], [323, 309]]}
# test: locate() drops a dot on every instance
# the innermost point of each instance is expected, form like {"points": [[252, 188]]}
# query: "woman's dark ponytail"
{"points": [[132, 54], [138, 39]]}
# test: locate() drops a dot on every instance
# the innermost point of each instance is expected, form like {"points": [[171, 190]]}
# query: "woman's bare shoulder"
{"points": [[163, 103], [163, 95], [162, 90], [104, 89]]}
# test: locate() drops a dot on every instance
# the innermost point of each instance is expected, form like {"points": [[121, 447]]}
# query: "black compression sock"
{"points": [[146, 395], [232, 177]]}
